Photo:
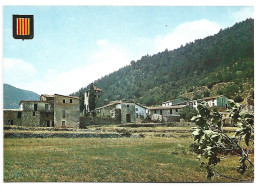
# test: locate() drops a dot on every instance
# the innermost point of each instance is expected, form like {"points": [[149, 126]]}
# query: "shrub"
{"points": [[188, 112]]}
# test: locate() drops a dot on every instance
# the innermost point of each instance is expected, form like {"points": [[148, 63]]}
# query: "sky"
{"points": [[75, 45]]}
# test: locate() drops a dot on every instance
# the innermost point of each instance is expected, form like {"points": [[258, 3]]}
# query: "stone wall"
{"points": [[72, 112], [30, 118], [128, 109], [11, 117], [46, 119], [165, 112], [165, 118], [29, 105], [106, 112]]}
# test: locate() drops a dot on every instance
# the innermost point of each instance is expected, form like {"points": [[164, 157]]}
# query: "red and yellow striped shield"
{"points": [[23, 26]]}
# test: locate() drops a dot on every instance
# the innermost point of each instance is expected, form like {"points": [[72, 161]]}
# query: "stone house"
{"points": [[13, 117], [66, 111], [36, 113], [49, 111], [125, 111], [98, 98], [108, 110], [165, 113]]}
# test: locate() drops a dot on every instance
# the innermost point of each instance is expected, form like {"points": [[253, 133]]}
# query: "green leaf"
{"points": [[247, 138]]}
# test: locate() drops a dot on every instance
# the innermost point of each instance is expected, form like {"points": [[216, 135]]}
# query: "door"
{"points": [[128, 118], [48, 123]]}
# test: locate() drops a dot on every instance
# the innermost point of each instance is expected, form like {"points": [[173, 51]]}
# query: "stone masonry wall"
{"points": [[47, 116], [127, 108], [12, 115], [72, 112], [30, 120]]}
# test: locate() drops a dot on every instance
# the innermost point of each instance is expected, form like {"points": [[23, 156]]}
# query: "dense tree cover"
{"points": [[223, 57]]}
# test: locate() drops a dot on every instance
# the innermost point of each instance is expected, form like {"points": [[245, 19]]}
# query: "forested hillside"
{"points": [[228, 56], [13, 95]]}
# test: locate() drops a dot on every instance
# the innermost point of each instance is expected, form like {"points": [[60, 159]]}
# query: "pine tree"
{"points": [[81, 102], [91, 99]]}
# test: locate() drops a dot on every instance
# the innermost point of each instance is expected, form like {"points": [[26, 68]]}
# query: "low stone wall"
{"points": [[165, 124], [88, 121], [60, 135]]}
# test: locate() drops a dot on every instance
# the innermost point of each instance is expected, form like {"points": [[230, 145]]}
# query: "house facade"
{"points": [[165, 113], [127, 111], [13, 117], [216, 101], [66, 111], [49, 111]]}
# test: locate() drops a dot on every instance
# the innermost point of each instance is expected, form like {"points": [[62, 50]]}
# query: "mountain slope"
{"points": [[227, 56], [13, 95]]}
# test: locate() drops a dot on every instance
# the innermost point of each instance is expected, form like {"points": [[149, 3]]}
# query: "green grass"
{"points": [[149, 159]]}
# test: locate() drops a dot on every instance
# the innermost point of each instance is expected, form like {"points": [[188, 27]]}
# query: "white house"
{"points": [[109, 109], [140, 111], [220, 101]]}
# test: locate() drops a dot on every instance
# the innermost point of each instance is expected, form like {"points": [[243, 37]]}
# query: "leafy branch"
{"points": [[213, 142]]}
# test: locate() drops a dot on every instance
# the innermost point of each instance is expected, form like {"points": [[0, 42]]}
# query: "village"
{"points": [[62, 111]]}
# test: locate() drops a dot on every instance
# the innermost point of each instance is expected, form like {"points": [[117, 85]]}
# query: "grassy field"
{"points": [[149, 159]]}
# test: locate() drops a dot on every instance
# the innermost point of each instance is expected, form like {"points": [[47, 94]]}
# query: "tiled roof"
{"points": [[97, 89], [141, 105], [46, 95], [165, 107], [110, 104], [28, 101], [67, 96]]}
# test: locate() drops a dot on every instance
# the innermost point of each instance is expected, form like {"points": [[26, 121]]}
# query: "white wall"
{"points": [[140, 110]]}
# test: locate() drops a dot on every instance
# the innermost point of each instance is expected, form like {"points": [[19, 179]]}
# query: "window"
{"points": [[33, 113], [64, 100], [19, 115], [63, 113], [136, 115], [46, 107], [35, 106], [70, 100], [170, 111], [136, 109], [213, 104], [63, 123]]}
